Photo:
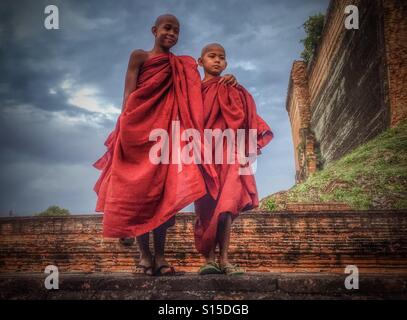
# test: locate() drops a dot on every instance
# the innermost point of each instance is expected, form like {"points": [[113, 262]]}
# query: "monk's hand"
{"points": [[229, 79]]}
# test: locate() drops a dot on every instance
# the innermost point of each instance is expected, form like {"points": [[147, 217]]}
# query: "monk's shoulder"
{"points": [[138, 57], [189, 60]]}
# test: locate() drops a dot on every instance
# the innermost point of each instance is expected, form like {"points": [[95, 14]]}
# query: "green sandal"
{"points": [[232, 270], [210, 268]]}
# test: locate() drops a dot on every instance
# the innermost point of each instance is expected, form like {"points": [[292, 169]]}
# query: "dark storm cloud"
{"points": [[61, 90]]}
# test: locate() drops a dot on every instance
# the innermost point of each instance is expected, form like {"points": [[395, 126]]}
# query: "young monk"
{"points": [[225, 107], [136, 195]]}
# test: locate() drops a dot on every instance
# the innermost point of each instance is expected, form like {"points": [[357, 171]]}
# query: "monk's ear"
{"points": [[154, 30], [226, 64], [200, 63]]}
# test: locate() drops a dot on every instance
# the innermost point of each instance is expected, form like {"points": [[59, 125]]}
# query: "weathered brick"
{"points": [[291, 241]]}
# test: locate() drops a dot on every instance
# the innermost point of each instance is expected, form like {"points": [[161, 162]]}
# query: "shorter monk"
{"points": [[226, 107]]}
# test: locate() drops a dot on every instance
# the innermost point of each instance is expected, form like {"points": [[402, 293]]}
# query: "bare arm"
{"points": [[137, 57]]}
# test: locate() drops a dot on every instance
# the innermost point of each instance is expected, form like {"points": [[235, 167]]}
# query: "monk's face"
{"points": [[166, 32], [213, 60]]}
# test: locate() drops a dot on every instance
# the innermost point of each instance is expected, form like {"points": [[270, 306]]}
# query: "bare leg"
{"points": [[223, 236], [211, 256], [224, 228], [160, 235], [146, 258]]}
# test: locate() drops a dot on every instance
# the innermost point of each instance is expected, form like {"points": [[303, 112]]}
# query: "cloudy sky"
{"points": [[61, 90]]}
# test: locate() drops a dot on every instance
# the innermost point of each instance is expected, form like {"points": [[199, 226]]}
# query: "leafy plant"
{"points": [[54, 211], [269, 205], [313, 28]]}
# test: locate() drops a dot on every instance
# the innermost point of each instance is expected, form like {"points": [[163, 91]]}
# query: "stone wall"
{"points": [[354, 87], [252, 286]]}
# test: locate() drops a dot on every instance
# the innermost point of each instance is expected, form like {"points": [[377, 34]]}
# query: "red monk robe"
{"points": [[136, 195], [234, 108]]}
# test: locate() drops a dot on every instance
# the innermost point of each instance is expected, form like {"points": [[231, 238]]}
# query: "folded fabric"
{"points": [[135, 194], [227, 107]]}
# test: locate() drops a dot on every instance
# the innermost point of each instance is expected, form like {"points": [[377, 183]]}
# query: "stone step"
{"points": [[326, 241], [254, 286]]}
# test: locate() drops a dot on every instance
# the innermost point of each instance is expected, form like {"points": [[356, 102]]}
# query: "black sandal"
{"points": [[158, 270]]}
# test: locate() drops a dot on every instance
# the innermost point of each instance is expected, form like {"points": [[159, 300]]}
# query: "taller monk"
{"points": [[135, 194]]}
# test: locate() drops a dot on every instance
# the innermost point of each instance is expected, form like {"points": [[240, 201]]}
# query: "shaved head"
{"points": [[165, 17], [213, 60], [212, 46]]}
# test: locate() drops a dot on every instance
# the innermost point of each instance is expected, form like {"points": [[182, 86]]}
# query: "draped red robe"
{"points": [[234, 108], [136, 195]]}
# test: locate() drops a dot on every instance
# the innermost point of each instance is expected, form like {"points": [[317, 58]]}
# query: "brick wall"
{"points": [[395, 38], [375, 241], [298, 108]]}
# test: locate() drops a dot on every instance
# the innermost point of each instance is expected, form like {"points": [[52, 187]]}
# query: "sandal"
{"points": [[142, 269], [232, 270], [210, 268], [158, 271]]}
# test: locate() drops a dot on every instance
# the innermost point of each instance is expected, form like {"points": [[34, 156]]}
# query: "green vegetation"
{"points": [[373, 176], [313, 28], [54, 211]]}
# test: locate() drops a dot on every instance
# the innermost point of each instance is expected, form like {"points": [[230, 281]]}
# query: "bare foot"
{"points": [[162, 267], [224, 262], [145, 266]]}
